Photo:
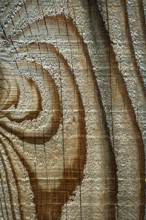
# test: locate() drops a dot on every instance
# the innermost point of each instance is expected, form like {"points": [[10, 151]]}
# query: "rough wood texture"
{"points": [[72, 109]]}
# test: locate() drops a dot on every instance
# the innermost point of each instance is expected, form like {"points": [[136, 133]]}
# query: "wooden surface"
{"points": [[72, 109]]}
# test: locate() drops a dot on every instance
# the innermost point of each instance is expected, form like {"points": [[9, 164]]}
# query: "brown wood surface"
{"points": [[72, 109]]}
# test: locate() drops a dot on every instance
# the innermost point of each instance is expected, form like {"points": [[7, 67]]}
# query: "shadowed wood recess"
{"points": [[72, 109]]}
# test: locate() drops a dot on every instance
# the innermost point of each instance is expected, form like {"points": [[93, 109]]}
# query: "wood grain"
{"points": [[72, 109]]}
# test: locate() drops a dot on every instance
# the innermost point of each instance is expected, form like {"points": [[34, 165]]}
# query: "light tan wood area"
{"points": [[72, 109]]}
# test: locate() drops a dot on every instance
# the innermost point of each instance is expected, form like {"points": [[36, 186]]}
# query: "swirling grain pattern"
{"points": [[72, 109]]}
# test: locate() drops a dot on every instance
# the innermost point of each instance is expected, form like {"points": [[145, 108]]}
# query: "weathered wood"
{"points": [[72, 109]]}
